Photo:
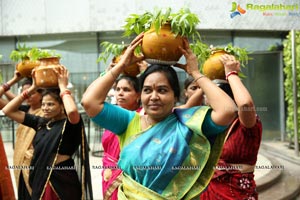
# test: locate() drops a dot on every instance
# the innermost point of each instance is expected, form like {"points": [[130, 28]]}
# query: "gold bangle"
{"points": [[25, 94], [201, 76]]}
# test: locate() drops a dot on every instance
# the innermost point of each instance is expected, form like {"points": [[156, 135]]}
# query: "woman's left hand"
{"points": [[62, 76], [230, 63]]}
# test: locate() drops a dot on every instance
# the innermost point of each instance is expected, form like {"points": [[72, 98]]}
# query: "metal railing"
{"points": [[7, 129]]}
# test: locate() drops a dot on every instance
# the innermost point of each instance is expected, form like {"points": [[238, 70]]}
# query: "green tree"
{"points": [[288, 82], [0, 70]]}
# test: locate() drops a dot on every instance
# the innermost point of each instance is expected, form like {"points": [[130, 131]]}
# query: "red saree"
{"points": [[241, 148], [6, 186]]}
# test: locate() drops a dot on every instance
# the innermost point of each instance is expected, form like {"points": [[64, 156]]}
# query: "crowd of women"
{"points": [[153, 149]]}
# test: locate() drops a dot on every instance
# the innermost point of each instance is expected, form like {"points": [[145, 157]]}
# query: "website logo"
{"points": [[236, 9]]}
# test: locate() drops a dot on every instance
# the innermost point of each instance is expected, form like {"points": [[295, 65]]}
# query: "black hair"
{"points": [[188, 81], [26, 81], [226, 88], [53, 93], [169, 72], [133, 81]]}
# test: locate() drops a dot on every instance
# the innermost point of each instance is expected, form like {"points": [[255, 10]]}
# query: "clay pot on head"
{"points": [[45, 76], [131, 70], [213, 68], [26, 66], [162, 47]]}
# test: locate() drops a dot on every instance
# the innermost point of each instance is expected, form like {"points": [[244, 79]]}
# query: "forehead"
{"points": [[48, 98], [123, 82], [156, 79], [26, 86], [193, 84]]}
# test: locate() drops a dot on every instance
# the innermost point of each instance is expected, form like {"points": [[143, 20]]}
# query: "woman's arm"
{"points": [[9, 95], [11, 109], [4, 89], [194, 100], [65, 94], [243, 99], [95, 95], [224, 108]]}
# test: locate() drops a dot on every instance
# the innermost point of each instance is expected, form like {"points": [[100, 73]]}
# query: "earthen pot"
{"points": [[131, 70], [213, 68], [45, 76], [26, 66], [162, 46]]}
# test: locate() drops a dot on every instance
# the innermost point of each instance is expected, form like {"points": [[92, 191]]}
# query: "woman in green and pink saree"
{"points": [[167, 153]]}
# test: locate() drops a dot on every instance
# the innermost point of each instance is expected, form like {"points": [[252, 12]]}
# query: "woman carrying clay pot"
{"points": [[167, 153]]}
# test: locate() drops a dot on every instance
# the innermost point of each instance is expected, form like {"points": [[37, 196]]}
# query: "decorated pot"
{"points": [[162, 47], [131, 70], [25, 67], [213, 68], [45, 76]]}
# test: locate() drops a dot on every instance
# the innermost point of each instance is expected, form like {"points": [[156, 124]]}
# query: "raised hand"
{"points": [[191, 65], [129, 57]]}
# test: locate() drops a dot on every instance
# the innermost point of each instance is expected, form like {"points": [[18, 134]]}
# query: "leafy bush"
{"points": [[288, 83]]}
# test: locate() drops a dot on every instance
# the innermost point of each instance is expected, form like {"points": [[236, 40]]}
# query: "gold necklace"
{"points": [[48, 123]]}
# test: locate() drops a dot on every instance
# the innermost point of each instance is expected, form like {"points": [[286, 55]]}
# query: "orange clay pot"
{"points": [[45, 76], [25, 67], [131, 70], [213, 68], [162, 46]]}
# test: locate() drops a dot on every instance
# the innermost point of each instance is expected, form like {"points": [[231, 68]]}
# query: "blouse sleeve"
{"points": [[210, 128], [114, 118], [32, 121]]}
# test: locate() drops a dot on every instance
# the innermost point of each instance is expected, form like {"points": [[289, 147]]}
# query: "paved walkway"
{"points": [[281, 152]]}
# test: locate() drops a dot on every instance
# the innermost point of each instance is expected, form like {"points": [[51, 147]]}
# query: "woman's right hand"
{"points": [[16, 78], [33, 75], [129, 57], [107, 174]]}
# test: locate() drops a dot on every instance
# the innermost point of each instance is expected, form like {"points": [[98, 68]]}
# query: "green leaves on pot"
{"points": [[113, 49], [203, 51], [23, 52], [136, 24], [183, 22], [241, 54], [110, 49]]}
